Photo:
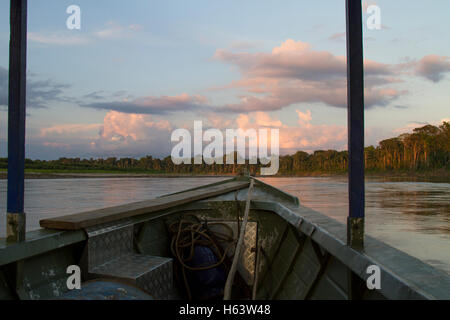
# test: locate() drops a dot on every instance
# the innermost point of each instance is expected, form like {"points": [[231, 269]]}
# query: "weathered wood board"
{"points": [[96, 217]]}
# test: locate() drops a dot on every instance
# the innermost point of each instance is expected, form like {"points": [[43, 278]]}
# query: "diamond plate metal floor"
{"points": [[110, 255], [153, 274]]}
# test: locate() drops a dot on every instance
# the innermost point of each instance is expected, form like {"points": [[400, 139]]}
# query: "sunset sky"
{"points": [[137, 70]]}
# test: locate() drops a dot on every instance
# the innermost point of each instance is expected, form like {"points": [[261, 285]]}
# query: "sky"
{"points": [[136, 71]]}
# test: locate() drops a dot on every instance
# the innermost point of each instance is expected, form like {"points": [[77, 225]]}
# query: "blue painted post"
{"points": [[355, 87], [16, 121]]}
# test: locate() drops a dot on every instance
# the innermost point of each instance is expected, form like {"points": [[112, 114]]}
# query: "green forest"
{"points": [[425, 149]]}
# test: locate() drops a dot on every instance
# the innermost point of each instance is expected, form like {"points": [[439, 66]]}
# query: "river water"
{"points": [[409, 215]]}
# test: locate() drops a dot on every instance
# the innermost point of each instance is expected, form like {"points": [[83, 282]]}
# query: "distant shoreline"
{"points": [[98, 175], [443, 175]]}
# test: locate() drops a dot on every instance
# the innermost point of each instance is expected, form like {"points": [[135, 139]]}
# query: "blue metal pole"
{"points": [[16, 121], [355, 87]]}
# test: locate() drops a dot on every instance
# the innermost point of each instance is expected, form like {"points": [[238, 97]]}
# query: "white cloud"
{"points": [[62, 39], [110, 31]]}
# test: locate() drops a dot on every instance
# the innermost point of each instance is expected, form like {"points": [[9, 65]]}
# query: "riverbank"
{"points": [[99, 175], [442, 174]]}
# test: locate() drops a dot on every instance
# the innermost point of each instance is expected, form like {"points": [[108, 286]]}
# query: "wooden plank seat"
{"points": [[96, 217]]}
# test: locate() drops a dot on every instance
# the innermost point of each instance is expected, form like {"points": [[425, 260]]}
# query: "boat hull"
{"points": [[291, 252]]}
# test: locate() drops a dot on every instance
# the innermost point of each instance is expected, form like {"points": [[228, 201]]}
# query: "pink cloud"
{"points": [[291, 46], [291, 73], [69, 129], [304, 117], [56, 145], [304, 136], [310, 137], [119, 126], [338, 36], [130, 134], [120, 133], [294, 73], [257, 120], [433, 67]]}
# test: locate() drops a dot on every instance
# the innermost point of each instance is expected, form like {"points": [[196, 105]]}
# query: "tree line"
{"points": [[426, 148]]}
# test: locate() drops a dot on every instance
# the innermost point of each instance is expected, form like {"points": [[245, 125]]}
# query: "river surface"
{"points": [[409, 215]]}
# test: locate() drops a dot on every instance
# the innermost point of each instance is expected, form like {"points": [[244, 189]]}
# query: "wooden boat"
{"points": [[289, 251]]}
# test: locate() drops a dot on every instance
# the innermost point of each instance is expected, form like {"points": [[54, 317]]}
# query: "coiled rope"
{"points": [[188, 233]]}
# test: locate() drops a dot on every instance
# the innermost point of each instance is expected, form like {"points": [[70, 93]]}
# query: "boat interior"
{"points": [[182, 246]]}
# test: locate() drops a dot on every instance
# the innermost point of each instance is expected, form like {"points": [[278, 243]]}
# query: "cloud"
{"points": [[401, 107], [62, 39], [304, 135], [153, 105], [291, 47], [96, 95], [120, 134], [56, 145], [410, 126], [282, 95], [119, 126], [338, 36], [294, 73], [304, 117], [124, 134], [103, 95], [114, 30], [310, 137], [433, 67], [111, 30], [132, 135], [257, 120], [69, 129], [39, 92], [292, 60], [290, 74], [116, 126]]}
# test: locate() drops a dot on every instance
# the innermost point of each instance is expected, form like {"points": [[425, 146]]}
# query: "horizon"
{"points": [[131, 75], [225, 154]]}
